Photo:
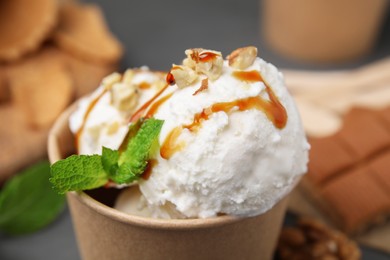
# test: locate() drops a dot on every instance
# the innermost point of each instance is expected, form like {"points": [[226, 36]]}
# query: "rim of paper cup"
{"points": [[117, 215]]}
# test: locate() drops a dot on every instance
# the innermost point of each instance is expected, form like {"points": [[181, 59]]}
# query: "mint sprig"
{"points": [[84, 172], [110, 160], [28, 202], [78, 172], [134, 159]]}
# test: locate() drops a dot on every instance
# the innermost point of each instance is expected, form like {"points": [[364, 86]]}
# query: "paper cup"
{"points": [[322, 30], [105, 233]]}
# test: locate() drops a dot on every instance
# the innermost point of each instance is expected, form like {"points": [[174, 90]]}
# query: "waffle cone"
{"points": [[24, 25]]}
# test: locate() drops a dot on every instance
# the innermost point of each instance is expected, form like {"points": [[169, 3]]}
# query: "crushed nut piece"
{"points": [[207, 62], [203, 86], [111, 79], [124, 96], [192, 57], [184, 76], [113, 128], [94, 131], [242, 58], [293, 236], [128, 76], [313, 240]]}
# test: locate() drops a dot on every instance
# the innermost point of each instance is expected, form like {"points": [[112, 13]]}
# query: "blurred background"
{"points": [[316, 43], [156, 33]]}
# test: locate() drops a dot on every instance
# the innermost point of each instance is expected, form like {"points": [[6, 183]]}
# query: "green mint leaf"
{"points": [[133, 161], [84, 172], [28, 202], [78, 172], [133, 130], [110, 161], [128, 173]]}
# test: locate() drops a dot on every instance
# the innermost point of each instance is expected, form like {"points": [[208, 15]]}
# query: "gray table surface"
{"points": [[156, 33]]}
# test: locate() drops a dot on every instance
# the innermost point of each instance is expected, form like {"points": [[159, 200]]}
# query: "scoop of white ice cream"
{"points": [[232, 141]]}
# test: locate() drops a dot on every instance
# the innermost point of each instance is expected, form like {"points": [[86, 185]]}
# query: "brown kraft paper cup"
{"points": [[322, 30], [105, 233]]}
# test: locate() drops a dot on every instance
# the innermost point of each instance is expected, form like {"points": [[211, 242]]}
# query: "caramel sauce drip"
{"points": [[87, 112], [152, 110], [138, 114], [156, 105], [249, 76], [144, 85], [207, 56], [204, 85], [273, 109], [148, 171], [170, 79], [170, 145]]}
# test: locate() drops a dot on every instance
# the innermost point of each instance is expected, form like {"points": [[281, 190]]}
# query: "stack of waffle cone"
{"points": [[51, 52], [24, 25]]}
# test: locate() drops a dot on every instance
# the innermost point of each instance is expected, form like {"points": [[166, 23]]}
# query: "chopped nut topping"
{"points": [[113, 128], [128, 76], [111, 79], [192, 57], [124, 96], [313, 240], [207, 62], [242, 58], [94, 131], [203, 86], [184, 76]]}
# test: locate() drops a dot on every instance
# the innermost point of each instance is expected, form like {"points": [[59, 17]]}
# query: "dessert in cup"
{"points": [[197, 163]]}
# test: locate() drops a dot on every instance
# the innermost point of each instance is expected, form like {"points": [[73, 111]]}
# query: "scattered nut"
{"points": [[5, 94], [184, 76], [319, 249], [94, 131], [206, 62], [328, 257], [128, 76], [313, 240], [242, 58], [293, 236], [124, 96], [113, 128], [111, 79], [192, 57], [332, 246]]}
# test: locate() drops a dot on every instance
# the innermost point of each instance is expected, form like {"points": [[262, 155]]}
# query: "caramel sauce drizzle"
{"points": [[273, 109], [207, 56], [144, 85], [148, 171], [170, 145], [138, 114], [152, 110], [156, 105], [204, 85], [86, 115], [170, 79]]}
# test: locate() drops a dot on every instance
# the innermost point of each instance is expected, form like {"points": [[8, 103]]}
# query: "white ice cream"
{"points": [[236, 162]]}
